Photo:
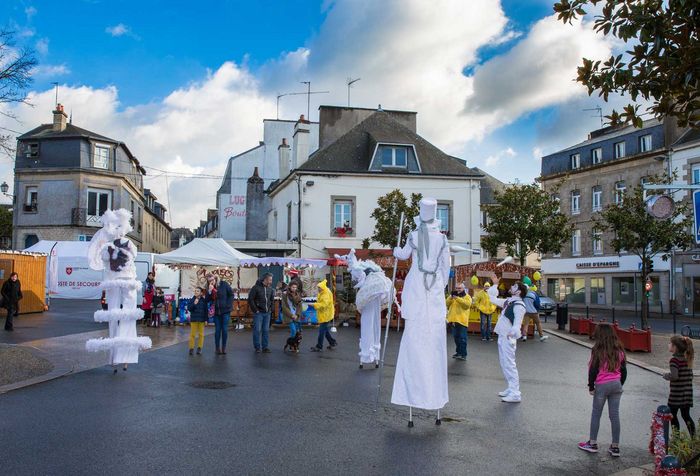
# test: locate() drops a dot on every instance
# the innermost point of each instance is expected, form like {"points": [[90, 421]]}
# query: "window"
{"points": [[99, 201], [576, 243], [394, 157], [597, 242], [484, 219], [645, 143], [597, 156], [575, 290], [597, 291], [695, 177], [138, 220], [555, 198], [619, 150], [342, 214], [620, 189], [575, 202], [597, 195], [553, 290], [100, 159], [443, 214], [575, 161], [30, 240], [289, 221], [30, 200], [31, 150]]}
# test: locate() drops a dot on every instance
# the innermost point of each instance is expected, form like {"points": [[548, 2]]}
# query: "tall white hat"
{"points": [[428, 209]]}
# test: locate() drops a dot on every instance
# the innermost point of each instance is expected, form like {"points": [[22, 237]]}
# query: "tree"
{"points": [[387, 216], [16, 67], [525, 219], [661, 66], [637, 232]]}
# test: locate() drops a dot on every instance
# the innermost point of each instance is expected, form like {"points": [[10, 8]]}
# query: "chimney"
{"points": [[59, 119], [284, 153], [256, 208], [301, 142]]}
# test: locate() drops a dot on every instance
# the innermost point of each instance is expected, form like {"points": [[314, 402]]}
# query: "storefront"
{"points": [[611, 281]]}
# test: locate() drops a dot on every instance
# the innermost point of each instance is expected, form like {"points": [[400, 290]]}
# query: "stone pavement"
{"points": [[315, 414]]}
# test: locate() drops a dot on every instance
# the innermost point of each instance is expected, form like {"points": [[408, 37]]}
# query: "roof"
{"points": [[352, 152], [45, 131], [489, 185], [691, 135], [204, 252]]}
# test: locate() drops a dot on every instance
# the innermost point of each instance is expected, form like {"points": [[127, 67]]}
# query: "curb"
{"points": [[633, 361], [61, 368]]}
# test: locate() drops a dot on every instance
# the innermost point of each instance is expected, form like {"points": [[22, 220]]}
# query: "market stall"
{"points": [[31, 269]]}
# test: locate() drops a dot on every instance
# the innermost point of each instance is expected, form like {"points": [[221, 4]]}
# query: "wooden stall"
{"points": [[31, 268]]}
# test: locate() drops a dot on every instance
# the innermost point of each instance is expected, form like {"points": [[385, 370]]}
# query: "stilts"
{"points": [[410, 417], [438, 421]]}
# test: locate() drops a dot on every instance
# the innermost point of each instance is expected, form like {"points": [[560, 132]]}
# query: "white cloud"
{"points": [[51, 70], [120, 29], [42, 46], [30, 12], [537, 154], [493, 160]]}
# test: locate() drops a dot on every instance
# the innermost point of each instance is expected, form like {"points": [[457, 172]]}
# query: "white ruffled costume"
{"points": [[373, 292], [421, 369], [110, 251]]}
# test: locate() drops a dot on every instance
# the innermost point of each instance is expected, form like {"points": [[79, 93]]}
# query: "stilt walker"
{"points": [[110, 251], [421, 369]]}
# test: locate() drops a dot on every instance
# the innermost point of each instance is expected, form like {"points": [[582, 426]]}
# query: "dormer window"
{"points": [[394, 157], [100, 159]]}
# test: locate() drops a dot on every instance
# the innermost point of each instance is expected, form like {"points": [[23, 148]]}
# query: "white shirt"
{"points": [[504, 326]]}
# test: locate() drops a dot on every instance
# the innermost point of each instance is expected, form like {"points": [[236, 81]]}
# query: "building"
{"points": [[208, 228], [684, 159], [180, 237], [586, 178], [65, 179], [232, 220], [324, 203], [156, 230]]}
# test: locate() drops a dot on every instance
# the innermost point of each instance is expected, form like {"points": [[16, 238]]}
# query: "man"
{"points": [[260, 300], [11, 295], [421, 369], [531, 312], [458, 304], [485, 308], [220, 293], [508, 330]]}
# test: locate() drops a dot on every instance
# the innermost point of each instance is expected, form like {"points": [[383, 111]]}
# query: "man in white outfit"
{"points": [[508, 330], [421, 370]]}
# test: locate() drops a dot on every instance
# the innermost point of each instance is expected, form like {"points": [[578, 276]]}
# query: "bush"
{"points": [[684, 448]]}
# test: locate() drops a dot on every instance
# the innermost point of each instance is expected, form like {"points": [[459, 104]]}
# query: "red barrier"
{"points": [[635, 340], [579, 325]]}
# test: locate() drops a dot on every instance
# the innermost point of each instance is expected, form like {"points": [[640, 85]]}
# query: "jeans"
{"points": [[261, 326], [11, 313], [221, 329], [294, 327], [612, 393], [486, 326], [324, 332], [459, 332]]}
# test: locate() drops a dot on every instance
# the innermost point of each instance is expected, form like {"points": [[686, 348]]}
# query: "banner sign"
{"points": [[696, 214]]}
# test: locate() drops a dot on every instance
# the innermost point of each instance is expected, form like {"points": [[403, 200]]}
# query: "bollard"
{"points": [[661, 304], [613, 314], [587, 316], [674, 319]]}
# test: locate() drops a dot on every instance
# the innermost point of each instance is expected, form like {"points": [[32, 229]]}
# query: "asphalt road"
{"points": [[314, 414]]}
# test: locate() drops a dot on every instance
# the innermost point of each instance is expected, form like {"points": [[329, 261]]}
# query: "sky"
{"points": [[186, 85]]}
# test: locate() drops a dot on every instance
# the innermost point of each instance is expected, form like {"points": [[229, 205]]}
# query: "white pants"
{"points": [[506, 356]]}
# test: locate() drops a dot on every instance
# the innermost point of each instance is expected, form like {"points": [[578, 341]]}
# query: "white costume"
{"points": [[421, 370], [374, 290], [110, 251], [508, 334]]}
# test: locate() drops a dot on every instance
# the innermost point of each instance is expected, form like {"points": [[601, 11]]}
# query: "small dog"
{"points": [[293, 343]]}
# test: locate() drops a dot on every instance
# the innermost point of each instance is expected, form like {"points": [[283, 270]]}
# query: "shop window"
{"points": [[575, 290], [597, 291], [623, 291], [553, 289]]}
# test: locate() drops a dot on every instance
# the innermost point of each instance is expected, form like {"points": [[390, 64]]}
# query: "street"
{"points": [[314, 414]]}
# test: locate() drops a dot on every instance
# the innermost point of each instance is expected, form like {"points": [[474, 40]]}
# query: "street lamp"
{"points": [[4, 188]]}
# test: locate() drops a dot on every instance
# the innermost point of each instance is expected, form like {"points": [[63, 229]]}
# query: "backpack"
{"points": [[537, 302]]}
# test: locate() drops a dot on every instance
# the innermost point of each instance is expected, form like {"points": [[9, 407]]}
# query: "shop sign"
{"points": [[598, 264]]}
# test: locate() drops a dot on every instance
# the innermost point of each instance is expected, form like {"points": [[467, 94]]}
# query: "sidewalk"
{"points": [[67, 355]]}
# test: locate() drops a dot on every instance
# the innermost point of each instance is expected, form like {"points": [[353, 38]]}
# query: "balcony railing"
{"points": [[80, 217]]}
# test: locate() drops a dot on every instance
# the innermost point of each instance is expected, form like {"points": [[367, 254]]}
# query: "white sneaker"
{"points": [[544, 338], [523, 338], [510, 399], [504, 393]]}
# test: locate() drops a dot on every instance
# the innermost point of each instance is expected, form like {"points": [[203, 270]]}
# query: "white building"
{"points": [[365, 154]]}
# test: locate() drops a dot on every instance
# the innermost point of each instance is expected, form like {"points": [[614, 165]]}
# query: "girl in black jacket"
{"points": [[199, 312]]}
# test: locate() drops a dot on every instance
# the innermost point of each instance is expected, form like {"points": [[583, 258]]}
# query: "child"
{"points": [[199, 312], [681, 381], [325, 309], [607, 372], [158, 307]]}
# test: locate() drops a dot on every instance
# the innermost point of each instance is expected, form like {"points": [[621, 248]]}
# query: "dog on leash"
{"points": [[293, 343]]}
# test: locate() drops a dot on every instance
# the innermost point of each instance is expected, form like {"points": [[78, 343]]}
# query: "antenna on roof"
{"points": [[56, 86], [599, 110], [70, 120], [350, 82], [309, 93]]}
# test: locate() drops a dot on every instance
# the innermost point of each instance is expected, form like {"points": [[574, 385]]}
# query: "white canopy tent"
{"points": [[204, 252]]}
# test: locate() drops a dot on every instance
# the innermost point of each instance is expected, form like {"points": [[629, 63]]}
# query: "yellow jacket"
{"points": [[325, 308], [483, 303], [458, 309]]}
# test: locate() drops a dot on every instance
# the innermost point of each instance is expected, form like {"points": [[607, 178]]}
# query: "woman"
{"points": [[220, 293], [291, 308], [149, 292], [11, 295]]}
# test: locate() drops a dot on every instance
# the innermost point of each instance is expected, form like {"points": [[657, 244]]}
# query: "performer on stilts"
{"points": [[421, 370], [112, 252]]}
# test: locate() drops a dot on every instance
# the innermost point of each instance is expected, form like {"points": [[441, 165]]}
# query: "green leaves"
{"points": [[662, 65], [525, 219], [388, 214]]}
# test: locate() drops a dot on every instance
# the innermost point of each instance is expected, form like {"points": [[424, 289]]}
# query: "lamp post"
{"points": [[4, 188]]}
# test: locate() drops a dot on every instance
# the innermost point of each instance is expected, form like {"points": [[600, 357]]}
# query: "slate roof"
{"points": [[45, 131], [689, 136], [489, 185], [352, 152]]}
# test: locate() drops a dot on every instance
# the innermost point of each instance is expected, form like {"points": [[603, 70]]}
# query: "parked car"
{"points": [[547, 305]]}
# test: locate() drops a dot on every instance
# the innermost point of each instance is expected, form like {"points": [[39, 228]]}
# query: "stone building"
{"points": [[156, 230]]}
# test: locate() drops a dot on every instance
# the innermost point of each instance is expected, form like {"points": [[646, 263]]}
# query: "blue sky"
{"points": [[491, 81]]}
